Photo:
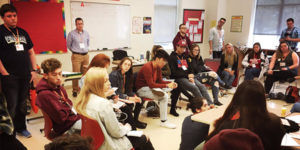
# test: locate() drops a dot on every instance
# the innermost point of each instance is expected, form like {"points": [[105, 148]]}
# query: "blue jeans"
{"points": [[212, 79], [296, 107], [227, 78], [250, 73], [197, 89]]}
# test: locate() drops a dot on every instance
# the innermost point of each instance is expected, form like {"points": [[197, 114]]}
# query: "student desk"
{"points": [[210, 116]]}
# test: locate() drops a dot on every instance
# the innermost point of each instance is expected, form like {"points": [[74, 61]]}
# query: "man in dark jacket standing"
{"points": [[52, 98]]}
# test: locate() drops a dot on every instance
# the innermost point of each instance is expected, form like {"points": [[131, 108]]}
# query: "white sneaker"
{"points": [[168, 124]]}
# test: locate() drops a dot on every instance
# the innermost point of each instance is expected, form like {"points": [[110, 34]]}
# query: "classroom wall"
{"points": [[140, 43], [245, 8]]}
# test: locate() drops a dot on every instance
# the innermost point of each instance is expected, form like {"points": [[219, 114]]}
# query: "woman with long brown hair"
{"points": [[122, 78], [283, 66], [254, 62], [248, 109]]}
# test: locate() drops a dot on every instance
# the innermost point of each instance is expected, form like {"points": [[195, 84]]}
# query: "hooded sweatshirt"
{"points": [[50, 100]]}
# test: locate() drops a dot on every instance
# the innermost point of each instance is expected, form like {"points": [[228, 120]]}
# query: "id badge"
{"points": [[19, 47], [74, 111], [282, 64], [184, 68], [229, 69], [81, 45], [253, 65]]}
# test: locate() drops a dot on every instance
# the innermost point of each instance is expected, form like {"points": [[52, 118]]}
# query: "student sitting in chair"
{"points": [[149, 84], [53, 99], [103, 61], [283, 66], [254, 62], [183, 75], [122, 78], [204, 74], [92, 103], [228, 68]]}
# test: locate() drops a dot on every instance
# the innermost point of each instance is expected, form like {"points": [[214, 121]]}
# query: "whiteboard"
{"points": [[107, 24]]}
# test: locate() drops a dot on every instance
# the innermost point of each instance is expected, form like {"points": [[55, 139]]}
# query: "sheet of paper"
{"points": [[135, 133], [195, 29], [126, 101], [191, 37], [197, 37], [200, 24], [118, 104], [287, 140], [295, 135], [191, 28], [294, 118], [187, 24], [285, 122]]}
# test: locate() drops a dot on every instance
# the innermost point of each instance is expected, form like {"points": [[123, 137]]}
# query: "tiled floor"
{"points": [[162, 138]]}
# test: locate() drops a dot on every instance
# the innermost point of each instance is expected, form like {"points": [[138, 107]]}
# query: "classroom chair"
{"points": [[90, 127], [48, 131]]}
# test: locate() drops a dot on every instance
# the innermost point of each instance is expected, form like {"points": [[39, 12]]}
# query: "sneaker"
{"points": [[168, 124], [158, 92], [25, 133], [74, 94], [290, 80], [218, 103], [174, 113]]}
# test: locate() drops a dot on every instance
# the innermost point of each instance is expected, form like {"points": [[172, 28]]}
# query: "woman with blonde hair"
{"points": [[228, 65], [91, 102]]}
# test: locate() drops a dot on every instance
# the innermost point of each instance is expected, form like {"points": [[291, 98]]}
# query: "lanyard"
{"points": [[15, 36], [62, 97], [124, 81]]}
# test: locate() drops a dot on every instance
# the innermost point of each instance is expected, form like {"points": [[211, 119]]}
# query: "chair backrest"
{"points": [[119, 54], [212, 63], [49, 133], [90, 127]]}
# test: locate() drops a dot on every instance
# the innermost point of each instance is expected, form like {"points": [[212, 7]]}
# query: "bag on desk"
{"points": [[292, 94]]}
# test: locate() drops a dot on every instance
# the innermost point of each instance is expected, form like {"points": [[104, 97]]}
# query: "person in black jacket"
{"points": [[229, 65], [204, 74], [122, 78], [183, 75]]}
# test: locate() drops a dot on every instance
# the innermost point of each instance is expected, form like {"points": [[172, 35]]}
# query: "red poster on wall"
{"points": [[194, 21], [45, 23]]}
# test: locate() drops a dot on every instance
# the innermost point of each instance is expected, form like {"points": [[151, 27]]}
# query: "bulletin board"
{"points": [[44, 21], [194, 21]]}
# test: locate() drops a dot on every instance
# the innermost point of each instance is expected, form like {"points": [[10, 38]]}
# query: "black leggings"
{"points": [[277, 76], [140, 143]]}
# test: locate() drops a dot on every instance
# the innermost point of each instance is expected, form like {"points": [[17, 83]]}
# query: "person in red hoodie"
{"points": [[149, 84], [53, 99]]}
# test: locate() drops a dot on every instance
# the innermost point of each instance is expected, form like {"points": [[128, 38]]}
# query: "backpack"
{"points": [[292, 94], [152, 109]]}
